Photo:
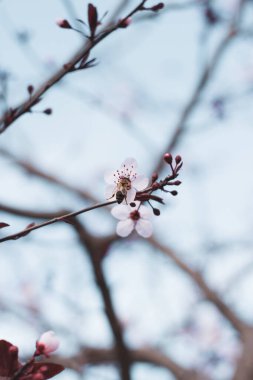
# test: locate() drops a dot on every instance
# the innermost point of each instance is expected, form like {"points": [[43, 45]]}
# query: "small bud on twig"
{"points": [[157, 7], [30, 89], [63, 23], [156, 211], [124, 23], [154, 177], [178, 159], [48, 111], [168, 158]]}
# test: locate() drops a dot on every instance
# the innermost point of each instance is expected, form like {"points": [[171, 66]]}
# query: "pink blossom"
{"points": [[47, 343]]}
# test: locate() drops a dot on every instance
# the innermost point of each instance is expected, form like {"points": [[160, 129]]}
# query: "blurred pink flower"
{"points": [[47, 343]]}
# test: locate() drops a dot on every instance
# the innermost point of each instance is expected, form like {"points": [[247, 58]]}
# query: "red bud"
{"points": [[63, 23], [30, 89], [178, 159], [157, 7], [168, 158]]}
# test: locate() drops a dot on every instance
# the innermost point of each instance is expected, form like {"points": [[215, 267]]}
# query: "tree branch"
{"points": [[67, 218], [97, 356], [202, 83], [96, 252], [10, 117], [212, 296]]}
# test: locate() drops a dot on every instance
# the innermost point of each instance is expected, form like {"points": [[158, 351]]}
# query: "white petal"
{"points": [[144, 228], [140, 182], [145, 212], [109, 177], [109, 191], [130, 163], [130, 195], [120, 212], [125, 227]]}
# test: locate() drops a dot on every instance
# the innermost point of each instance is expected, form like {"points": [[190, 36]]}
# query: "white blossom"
{"points": [[125, 180], [131, 218]]}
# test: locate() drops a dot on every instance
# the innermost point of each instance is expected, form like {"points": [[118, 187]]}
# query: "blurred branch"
{"points": [[13, 114], [197, 278], [202, 83], [31, 214], [97, 356], [96, 252], [35, 171]]}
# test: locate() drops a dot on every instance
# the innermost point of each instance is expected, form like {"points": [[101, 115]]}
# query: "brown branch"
{"points": [[202, 83], [198, 279], [67, 218], [33, 170], [26, 106], [97, 356], [96, 250], [32, 214]]}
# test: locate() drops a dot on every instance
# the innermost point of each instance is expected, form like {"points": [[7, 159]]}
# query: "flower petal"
{"points": [[140, 182], [144, 228], [130, 163], [120, 212], [145, 212], [109, 191], [109, 177], [130, 195], [125, 227]]}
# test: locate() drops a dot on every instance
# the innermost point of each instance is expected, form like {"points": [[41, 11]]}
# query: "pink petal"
{"points": [[125, 227], [144, 228], [120, 212], [130, 195], [145, 212], [140, 182], [109, 191], [130, 163], [50, 342]]}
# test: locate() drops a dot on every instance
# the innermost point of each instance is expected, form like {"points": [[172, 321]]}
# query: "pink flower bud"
{"points": [[178, 159], [63, 23], [47, 343], [157, 7], [168, 158], [125, 22]]}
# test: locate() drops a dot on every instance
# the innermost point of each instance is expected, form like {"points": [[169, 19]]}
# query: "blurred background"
{"points": [[179, 79]]}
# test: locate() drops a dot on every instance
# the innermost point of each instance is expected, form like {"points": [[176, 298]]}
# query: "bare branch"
{"points": [[96, 252], [202, 83], [97, 356], [67, 218], [31, 169], [10, 117], [211, 295]]}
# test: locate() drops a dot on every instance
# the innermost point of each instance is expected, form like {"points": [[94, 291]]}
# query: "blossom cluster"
{"points": [[131, 190], [12, 368]]}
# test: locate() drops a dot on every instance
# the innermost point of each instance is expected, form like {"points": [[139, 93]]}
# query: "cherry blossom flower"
{"points": [[133, 218], [47, 343], [125, 180], [10, 365]]}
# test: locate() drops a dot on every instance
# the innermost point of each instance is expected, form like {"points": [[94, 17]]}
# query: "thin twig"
{"points": [[24, 107], [63, 218]]}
